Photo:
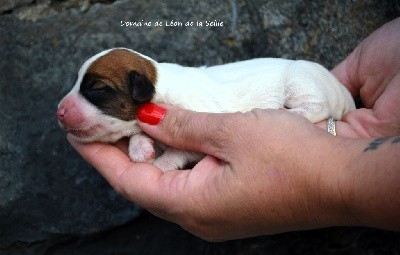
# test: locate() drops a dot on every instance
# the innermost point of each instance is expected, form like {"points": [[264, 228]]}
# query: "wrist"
{"points": [[370, 184], [319, 198]]}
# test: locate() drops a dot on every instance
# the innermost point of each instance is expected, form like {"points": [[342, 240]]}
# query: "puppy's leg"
{"points": [[313, 111], [304, 91], [176, 159], [141, 148]]}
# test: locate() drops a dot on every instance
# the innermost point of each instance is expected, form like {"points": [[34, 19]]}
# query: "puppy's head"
{"points": [[109, 89]]}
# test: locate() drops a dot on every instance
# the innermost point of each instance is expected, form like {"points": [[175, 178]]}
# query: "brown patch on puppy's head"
{"points": [[119, 82]]}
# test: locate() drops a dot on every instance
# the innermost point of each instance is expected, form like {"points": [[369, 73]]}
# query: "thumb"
{"points": [[347, 72], [187, 130]]}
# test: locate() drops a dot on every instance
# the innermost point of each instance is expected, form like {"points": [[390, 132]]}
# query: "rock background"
{"points": [[52, 202]]}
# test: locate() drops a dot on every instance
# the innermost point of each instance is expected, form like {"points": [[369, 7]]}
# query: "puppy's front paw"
{"points": [[141, 149], [176, 159], [165, 163]]}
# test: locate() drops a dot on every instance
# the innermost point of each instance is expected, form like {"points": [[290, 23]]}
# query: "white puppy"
{"points": [[113, 84]]}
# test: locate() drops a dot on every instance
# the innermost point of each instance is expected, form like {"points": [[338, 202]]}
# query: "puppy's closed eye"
{"points": [[99, 91], [95, 90], [98, 94]]}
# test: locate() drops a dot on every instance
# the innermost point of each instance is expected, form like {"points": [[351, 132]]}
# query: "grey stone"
{"points": [[46, 189], [7, 5]]}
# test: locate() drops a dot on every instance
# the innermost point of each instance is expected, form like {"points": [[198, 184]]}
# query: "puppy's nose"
{"points": [[61, 114]]}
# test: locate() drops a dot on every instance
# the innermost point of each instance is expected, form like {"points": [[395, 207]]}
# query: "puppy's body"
{"points": [[267, 83], [113, 84]]}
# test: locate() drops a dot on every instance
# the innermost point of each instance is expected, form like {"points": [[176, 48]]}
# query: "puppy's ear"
{"points": [[142, 89]]}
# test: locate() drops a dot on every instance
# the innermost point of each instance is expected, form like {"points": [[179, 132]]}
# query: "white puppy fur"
{"points": [[303, 87]]}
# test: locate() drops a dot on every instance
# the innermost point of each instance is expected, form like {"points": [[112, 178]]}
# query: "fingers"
{"points": [[138, 182], [204, 132], [343, 129], [347, 72]]}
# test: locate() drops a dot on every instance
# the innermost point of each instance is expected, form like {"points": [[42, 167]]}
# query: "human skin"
{"points": [[267, 171], [271, 171], [372, 73]]}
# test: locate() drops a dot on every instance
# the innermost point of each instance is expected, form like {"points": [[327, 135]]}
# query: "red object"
{"points": [[150, 113]]}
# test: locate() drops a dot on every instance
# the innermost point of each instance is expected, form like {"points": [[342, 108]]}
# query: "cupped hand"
{"points": [[261, 175], [271, 171], [372, 73]]}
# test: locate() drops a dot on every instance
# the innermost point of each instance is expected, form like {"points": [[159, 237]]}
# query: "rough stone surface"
{"points": [[8, 5], [51, 202]]}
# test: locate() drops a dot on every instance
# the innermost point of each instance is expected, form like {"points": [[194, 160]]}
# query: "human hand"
{"points": [[372, 72], [268, 171]]}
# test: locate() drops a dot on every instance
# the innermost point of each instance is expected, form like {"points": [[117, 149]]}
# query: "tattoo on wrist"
{"points": [[376, 143]]}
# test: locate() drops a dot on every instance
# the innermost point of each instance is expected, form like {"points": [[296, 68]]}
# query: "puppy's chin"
{"points": [[85, 135], [110, 132]]}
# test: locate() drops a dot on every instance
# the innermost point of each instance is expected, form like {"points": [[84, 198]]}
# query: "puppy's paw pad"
{"points": [[142, 151]]}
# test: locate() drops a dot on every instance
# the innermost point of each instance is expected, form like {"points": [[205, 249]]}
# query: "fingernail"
{"points": [[150, 113]]}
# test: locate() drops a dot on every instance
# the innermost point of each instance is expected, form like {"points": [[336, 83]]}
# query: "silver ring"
{"points": [[331, 126]]}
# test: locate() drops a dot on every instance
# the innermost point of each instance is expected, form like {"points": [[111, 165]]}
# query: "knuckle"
{"points": [[177, 124], [220, 134], [214, 134]]}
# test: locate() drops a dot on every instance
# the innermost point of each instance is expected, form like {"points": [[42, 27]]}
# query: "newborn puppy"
{"points": [[113, 84]]}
